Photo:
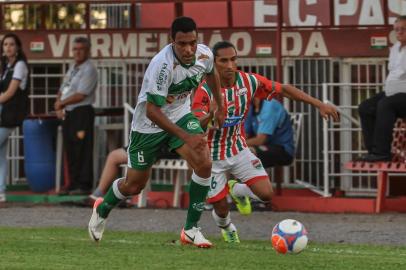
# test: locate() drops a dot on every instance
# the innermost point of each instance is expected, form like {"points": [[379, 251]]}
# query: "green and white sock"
{"points": [[198, 189], [111, 199]]}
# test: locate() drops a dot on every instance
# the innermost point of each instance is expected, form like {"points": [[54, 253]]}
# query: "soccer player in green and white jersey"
{"points": [[162, 118], [228, 146]]}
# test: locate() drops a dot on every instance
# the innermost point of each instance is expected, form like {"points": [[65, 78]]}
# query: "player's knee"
{"points": [[130, 188], [204, 166], [266, 196], [134, 190]]}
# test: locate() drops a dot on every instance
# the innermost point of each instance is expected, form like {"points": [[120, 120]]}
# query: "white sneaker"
{"points": [[194, 237], [96, 223], [2, 197]]}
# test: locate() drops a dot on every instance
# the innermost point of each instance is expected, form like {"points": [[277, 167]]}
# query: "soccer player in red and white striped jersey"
{"points": [[229, 151]]}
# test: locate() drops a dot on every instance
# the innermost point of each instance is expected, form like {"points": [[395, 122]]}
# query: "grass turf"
{"points": [[60, 248]]}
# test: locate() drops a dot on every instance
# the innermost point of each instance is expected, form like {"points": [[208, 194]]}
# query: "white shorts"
{"points": [[244, 166]]}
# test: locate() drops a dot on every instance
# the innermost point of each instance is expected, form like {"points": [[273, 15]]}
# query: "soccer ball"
{"points": [[289, 236]]}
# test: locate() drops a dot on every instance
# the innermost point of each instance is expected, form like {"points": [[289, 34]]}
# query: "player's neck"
{"points": [[228, 82]]}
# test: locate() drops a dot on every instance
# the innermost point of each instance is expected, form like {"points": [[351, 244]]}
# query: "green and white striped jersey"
{"points": [[168, 84]]}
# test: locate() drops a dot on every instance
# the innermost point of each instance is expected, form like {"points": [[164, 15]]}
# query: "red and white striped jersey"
{"points": [[230, 139]]}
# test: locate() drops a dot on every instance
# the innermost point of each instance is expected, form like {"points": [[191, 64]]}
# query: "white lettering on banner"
{"points": [[295, 40], [101, 44], [294, 14], [316, 45], [146, 45], [397, 7], [125, 48], [57, 47], [72, 38], [371, 13], [261, 10], [246, 42], [215, 37], [348, 8], [164, 40]]}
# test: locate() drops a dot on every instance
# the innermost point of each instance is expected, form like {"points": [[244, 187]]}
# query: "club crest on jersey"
{"points": [[192, 125], [256, 163], [242, 91]]}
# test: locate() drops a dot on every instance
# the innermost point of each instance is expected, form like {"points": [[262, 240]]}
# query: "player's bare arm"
{"points": [[213, 81], [195, 141], [326, 110]]}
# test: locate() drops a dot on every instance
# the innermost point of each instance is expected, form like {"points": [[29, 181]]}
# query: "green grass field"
{"points": [[58, 248]]}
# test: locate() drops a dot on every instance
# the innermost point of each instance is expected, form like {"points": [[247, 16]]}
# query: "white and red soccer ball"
{"points": [[289, 236]]}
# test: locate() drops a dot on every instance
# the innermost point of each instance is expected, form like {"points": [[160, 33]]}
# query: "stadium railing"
{"points": [[397, 165]]}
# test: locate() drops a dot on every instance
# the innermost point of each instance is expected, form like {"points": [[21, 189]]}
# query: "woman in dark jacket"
{"points": [[13, 96]]}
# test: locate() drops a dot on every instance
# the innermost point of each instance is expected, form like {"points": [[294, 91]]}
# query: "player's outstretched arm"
{"points": [[213, 81], [326, 110], [154, 113]]}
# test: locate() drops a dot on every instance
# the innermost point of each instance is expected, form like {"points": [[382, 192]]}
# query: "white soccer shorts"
{"points": [[244, 166]]}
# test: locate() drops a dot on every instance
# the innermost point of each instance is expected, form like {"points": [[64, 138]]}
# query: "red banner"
{"points": [[303, 43]]}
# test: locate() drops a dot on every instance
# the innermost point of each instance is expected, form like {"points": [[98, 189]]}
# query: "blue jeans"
{"points": [[4, 133]]}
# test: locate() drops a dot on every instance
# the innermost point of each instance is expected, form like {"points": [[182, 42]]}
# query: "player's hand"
{"points": [[60, 114], [197, 142], [327, 110], [58, 105]]}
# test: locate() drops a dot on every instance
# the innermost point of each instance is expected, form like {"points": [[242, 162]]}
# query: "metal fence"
{"points": [[120, 81]]}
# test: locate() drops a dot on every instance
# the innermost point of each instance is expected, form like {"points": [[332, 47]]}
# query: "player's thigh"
{"points": [[196, 159], [118, 156], [191, 125], [143, 149], [247, 168]]}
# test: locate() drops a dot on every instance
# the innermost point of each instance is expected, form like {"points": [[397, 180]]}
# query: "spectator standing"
{"points": [[74, 106], [13, 96]]}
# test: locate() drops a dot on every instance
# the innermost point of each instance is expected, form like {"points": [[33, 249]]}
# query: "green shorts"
{"points": [[145, 147]]}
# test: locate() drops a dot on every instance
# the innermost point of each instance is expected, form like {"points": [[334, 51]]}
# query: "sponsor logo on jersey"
{"points": [[242, 91], [170, 99], [192, 125], [162, 76], [256, 163]]}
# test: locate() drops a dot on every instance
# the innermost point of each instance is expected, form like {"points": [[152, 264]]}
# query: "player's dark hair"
{"points": [[401, 18], [184, 25], [20, 53], [222, 45]]}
